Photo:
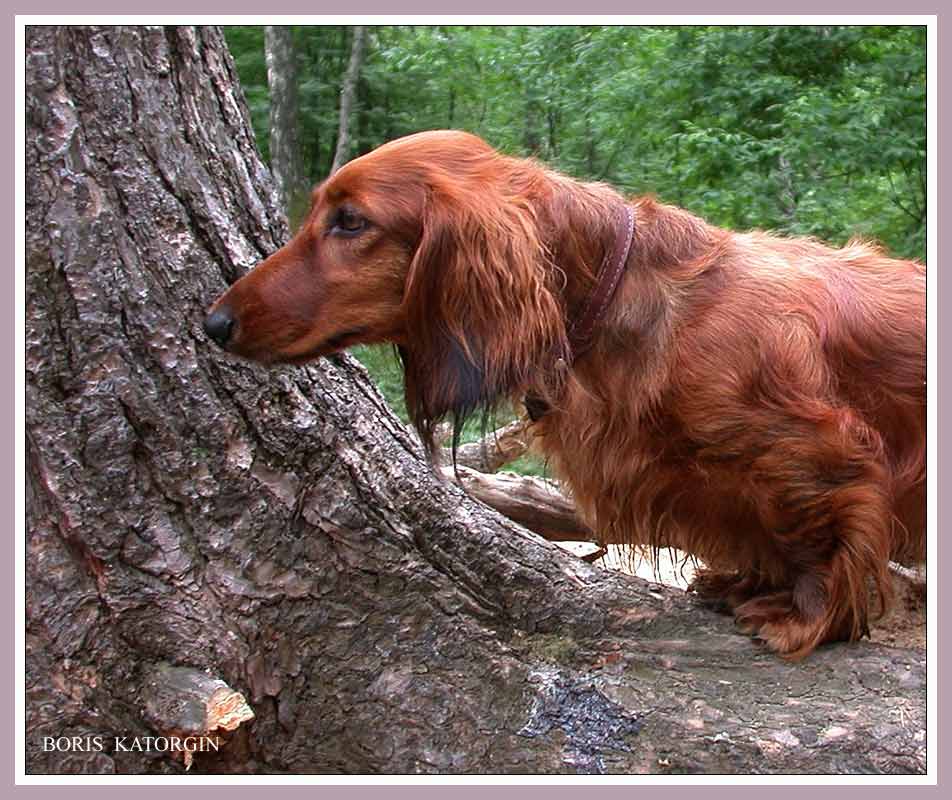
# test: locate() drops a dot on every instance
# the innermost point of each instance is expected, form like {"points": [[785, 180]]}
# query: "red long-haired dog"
{"points": [[756, 401]]}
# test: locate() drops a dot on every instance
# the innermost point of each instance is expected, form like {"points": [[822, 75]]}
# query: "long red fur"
{"points": [[754, 400]]}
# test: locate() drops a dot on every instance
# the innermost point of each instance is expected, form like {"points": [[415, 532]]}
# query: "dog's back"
{"points": [[795, 331]]}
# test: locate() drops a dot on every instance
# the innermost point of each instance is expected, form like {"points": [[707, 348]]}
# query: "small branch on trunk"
{"points": [[188, 703]]}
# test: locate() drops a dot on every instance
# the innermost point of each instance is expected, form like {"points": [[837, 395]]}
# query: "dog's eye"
{"points": [[347, 222]]}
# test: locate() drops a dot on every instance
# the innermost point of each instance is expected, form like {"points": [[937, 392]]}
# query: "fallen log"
{"points": [[533, 502]]}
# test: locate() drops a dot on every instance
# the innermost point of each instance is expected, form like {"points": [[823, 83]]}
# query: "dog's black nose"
{"points": [[219, 325]]}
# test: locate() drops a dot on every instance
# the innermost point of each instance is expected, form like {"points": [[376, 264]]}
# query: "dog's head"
{"points": [[434, 242]]}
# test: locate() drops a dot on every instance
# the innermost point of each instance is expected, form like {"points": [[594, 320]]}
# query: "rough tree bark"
{"points": [[347, 94], [203, 532], [282, 89]]}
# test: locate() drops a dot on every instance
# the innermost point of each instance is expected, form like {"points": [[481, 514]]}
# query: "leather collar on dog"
{"points": [[581, 333]]}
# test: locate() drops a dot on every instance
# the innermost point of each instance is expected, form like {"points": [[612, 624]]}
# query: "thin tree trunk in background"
{"points": [[347, 94], [531, 136], [282, 87], [200, 528], [788, 196], [364, 101]]}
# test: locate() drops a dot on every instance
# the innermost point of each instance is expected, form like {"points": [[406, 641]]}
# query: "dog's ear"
{"points": [[482, 318]]}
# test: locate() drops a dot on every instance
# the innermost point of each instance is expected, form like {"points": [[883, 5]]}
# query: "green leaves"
{"points": [[805, 129]]}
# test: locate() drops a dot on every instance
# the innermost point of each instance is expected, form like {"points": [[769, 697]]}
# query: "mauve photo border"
{"points": [[189, 9]]}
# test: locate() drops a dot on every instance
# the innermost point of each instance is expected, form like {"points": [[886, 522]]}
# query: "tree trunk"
{"points": [[788, 197], [347, 94], [282, 88], [208, 539]]}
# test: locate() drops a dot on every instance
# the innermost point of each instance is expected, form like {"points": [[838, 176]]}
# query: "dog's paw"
{"points": [[776, 620], [724, 591]]}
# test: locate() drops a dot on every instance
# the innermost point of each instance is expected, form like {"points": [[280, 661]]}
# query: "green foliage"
{"points": [[816, 130], [381, 362], [801, 129], [246, 44]]}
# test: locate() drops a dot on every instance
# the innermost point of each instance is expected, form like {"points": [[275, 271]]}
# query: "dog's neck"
{"points": [[666, 249], [582, 326]]}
